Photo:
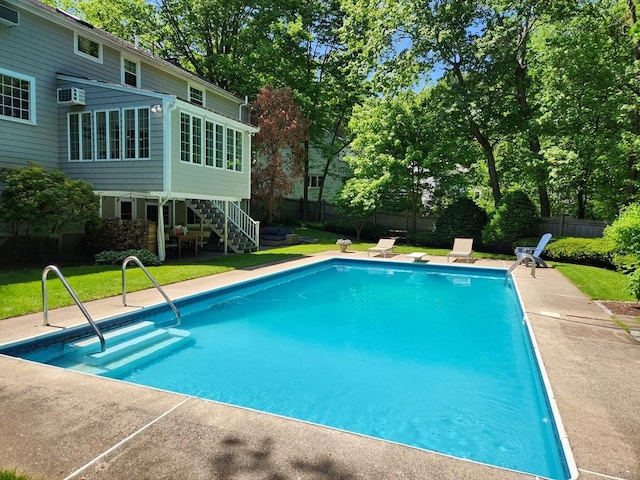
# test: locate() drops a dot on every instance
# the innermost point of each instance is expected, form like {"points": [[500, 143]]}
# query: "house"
{"points": [[155, 141]]}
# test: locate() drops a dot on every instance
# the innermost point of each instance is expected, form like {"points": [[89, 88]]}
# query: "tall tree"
{"points": [[582, 95], [397, 148], [279, 147]]}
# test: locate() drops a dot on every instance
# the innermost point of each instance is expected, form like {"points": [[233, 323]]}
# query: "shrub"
{"points": [[515, 217], [597, 252], [624, 232], [634, 284], [116, 234], [462, 218], [113, 257]]}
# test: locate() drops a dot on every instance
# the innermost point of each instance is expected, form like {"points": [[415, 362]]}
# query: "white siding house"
{"points": [[149, 136]]}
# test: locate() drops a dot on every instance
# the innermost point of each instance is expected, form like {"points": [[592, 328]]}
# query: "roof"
{"points": [[65, 18]]}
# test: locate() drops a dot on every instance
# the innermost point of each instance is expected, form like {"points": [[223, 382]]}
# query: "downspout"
{"points": [[245, 104]]}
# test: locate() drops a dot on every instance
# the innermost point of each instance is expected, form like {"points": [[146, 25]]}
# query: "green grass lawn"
{"points": [[597, 283], [21, 290]]}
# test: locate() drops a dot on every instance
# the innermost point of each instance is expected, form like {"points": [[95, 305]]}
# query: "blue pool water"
{"points": [[429, 356]]}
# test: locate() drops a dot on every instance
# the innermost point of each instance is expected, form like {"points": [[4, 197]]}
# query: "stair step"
{"points": [[92, 344], [176, 339], [126, 347]]}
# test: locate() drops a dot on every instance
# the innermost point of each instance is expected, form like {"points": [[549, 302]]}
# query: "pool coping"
{"points": [[615, 456]]}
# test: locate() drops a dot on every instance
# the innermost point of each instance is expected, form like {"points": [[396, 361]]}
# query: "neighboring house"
{"points": [[154, 140], [331, 184]]}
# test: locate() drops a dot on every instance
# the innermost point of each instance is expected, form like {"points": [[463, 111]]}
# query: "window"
{"points": [[238, 152], [136, 132], [108, 135], [80, 137], [315, 181], [234, 150], [200, 139], [87, 48], [230, 148], [125, 209], [196, 141], [118, 134], [219, 146], [17, 97], [130, 73], [196, 96], [210, 143], [185, 137], [152, 213]]}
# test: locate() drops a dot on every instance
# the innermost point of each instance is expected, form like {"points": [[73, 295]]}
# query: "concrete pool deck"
{"points": [[57, 424]]}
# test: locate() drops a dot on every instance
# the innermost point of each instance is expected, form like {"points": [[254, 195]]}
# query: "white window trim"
{"points": [[122, 135], [108, 138], [85, 55], [122, 71], [93, 138], [197, 87], [32, 98]]}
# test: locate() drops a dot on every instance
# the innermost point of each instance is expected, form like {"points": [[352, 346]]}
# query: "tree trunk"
{"points": [[305, 183], [487, 148], [540, 172]]}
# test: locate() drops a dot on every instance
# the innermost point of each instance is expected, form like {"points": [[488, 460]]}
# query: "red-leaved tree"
{"points": [[279, 148]]}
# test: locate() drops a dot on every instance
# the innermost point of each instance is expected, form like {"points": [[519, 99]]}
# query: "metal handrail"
{"points": [[45, 303], [522, 258], [135, 259]]}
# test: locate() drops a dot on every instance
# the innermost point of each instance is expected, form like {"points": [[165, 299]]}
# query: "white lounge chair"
{"points": [[536, 251], [384, 245], [462, 248]]}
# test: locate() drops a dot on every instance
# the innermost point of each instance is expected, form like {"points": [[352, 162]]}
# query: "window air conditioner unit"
{"points": [[9, 16], [70, 96]]}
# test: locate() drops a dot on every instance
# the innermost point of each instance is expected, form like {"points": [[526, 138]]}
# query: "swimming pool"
{"points": [[436, 357]]}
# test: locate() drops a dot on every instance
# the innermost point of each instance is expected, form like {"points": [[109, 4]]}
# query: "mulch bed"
{"points": [[626, 309]]}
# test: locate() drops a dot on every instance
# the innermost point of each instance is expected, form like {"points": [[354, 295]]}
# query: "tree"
{"points": [[581, 96], [279, 147], [398, 144], [42, 205], [358, 199]]}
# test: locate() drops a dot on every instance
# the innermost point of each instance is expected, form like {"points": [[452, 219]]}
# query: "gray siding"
{"points": [[209, 181], [22, 52], [42, 47], [125, 175], [154, 78]]}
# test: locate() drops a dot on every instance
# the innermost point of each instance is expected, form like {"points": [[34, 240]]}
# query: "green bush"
{"points": [[634, 284], [597, 252], [624, 232], [116, 234], [461, 219], [113, 257], [515, 217]]}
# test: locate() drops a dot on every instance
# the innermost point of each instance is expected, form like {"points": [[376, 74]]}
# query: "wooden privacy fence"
{"points": [[566, 226], [558, 226]]}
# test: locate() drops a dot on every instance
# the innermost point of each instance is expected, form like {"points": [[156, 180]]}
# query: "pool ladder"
{"points": [[45, 306], [135, 259], [523, 257], [56, 270]]}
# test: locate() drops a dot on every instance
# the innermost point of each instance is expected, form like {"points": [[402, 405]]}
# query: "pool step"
{"points": [[111, 337], [126, 348]]}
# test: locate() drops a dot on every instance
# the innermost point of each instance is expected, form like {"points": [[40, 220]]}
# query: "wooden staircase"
{"points": [[243, 232]]}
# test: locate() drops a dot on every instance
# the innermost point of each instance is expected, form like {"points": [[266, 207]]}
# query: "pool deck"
{"points": [[58, 424]]}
